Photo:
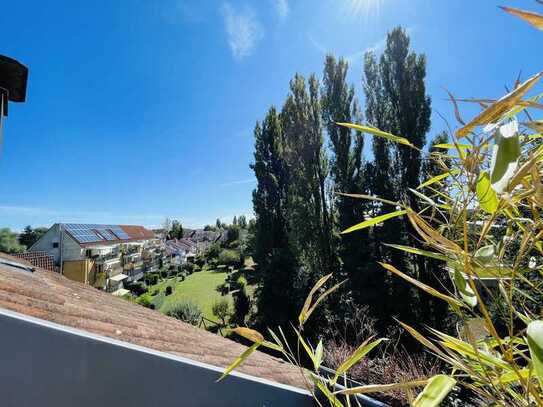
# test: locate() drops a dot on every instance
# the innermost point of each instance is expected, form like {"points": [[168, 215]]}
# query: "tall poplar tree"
{"points": [[340, 105], [308, 215], [275, 299], [397, 103]]}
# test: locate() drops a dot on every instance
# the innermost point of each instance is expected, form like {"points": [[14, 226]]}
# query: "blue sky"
{"points": [[137, 110]]}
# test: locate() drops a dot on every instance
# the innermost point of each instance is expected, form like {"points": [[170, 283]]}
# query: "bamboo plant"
{"points": [[482, 216]]}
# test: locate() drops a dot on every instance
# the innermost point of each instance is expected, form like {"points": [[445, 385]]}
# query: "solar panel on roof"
{"points": [[88, 233]]}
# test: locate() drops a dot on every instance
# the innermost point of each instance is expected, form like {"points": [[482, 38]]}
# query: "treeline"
{"points": [[11, 242], [303, 160]]}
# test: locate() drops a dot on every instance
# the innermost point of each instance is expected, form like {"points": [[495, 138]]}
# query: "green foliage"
{"points": [[213, 251], [229, 257], [242, 305], [29, 236], [146, 300], [232, 233], [9, 243], [176, 230], [186, 311], [221, 309]]}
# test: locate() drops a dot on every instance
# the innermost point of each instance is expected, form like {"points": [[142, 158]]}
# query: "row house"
{"points": [[103, 256]]}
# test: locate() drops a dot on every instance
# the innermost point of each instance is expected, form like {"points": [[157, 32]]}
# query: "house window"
{"points": [[55, 245]]}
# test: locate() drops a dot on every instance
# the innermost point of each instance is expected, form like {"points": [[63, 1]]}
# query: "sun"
{"points": [[366, 8]]}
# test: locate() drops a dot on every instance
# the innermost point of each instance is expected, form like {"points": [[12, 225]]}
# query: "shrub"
{"points": [[221, 309], [139, 288], [213, 251], [145, 300], [169, 290], [151, 279], [223, 288], [188, 267], [186, 311], [232, 234], [242, 306], [229, 257]]}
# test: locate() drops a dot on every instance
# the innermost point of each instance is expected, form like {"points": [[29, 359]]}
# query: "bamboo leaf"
{"points": [[438, 178], [430, 235], [505, 155], [488, 200], [239, 360], [417, 251], [485, 254], [329, 395], [318, 355], [322, 297], [369, 198], [374, 221], [448, 146], [248, 333], [356, 356], [435, 391], [382, 388], [495, 111], [534, 19], [535, 343], [426, 288], [423, 197], [377, 132], [464, 289], [304, 312], [421, 338]]}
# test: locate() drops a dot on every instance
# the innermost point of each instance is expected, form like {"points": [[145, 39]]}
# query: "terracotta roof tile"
{"points": [[52, 297], [38, 259], [137, 232]]}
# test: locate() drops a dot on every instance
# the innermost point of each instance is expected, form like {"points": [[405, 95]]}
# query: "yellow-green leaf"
{"points": [[303, 314], [377, 132], [464, 289], [435, 391], [438, 178], [382, 388], [532, 18], [419, 252], [485, 194], [495, 111], [448, 146], [240, 359], [426, 288], [250, 334], [356, 356], [535, 343], [318, 355], [374, 221], [505, 154]]}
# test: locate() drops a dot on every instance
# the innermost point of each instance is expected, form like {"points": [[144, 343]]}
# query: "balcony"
{"points": [[71, 364]]}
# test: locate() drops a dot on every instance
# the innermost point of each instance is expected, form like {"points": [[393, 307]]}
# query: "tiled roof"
{"points": [[87, 234], [38, 259], [137, 232], [54, 298]]}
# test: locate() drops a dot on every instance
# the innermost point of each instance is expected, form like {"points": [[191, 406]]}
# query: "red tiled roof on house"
{"points": [[52, 297], [38, 259], [137, 232]]}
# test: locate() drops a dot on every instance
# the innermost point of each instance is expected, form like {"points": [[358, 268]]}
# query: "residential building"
{"points": [[181, 250], [98, 350], [103, 256], [38, 259]]}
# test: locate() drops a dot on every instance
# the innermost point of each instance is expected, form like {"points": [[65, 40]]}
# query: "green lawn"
{"points": [[199, 287]]}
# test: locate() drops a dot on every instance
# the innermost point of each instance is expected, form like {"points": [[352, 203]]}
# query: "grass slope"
{"points": [[198, 287]]}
